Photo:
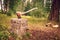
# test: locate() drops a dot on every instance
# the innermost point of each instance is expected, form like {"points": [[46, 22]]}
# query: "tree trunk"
{"points": [[45, 3], [54, 15], [1, 5], [6, 6]]}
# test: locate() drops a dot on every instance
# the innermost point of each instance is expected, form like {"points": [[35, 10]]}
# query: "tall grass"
{"points": [[5, 20]]}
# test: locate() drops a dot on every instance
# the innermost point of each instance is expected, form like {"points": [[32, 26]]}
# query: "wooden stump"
{"points": [[19, 26]]}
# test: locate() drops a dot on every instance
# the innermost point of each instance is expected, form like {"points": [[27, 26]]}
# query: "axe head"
{"points": [[18, 14]]}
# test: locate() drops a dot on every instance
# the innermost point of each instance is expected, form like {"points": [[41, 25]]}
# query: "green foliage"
{"points": [[4, 27], [28, 7], [4, 34], [4, 19], [27, 34], [36, 14], [10, 12], [13, 5], [40, 12], [48, 6], [13, 35]]}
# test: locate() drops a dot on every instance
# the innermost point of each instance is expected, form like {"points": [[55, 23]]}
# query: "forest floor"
{"points": [[38, 32], [37, 29]]}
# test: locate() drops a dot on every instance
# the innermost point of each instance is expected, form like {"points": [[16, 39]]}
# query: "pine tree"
{"points": [[54, 15]]}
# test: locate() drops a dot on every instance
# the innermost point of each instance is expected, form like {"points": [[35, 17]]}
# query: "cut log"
{"points": [[19, 26]]}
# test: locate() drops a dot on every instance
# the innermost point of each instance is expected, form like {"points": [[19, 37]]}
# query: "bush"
{"points": [[9, 13], [36, 14], [4, 34]]}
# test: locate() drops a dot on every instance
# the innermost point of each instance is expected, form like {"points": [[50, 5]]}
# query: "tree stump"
{"points": [[19, 26]]}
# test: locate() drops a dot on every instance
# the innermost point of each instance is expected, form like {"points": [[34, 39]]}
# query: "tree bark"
{"points": [[6, 5], [45, 3], [54, 14], [1, 4]]}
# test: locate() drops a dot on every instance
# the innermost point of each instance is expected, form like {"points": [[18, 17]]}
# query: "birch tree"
{"points": [[45, 3]]}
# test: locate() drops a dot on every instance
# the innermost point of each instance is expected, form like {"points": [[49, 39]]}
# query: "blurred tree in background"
{"points": [[55, 8], [9, 6]]}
